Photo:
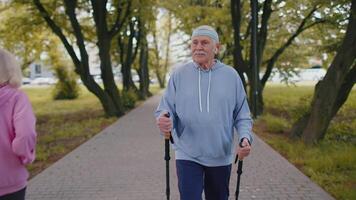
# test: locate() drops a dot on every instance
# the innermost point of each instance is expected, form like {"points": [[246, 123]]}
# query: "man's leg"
{"points": [[217, 182], [19, 195], [190, 179]]}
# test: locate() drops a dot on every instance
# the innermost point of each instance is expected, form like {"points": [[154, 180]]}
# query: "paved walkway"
{"points": [[125, 162]]}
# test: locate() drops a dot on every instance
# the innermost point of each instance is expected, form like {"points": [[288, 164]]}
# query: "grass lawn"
{"points": [[332, 162], [62, 125]]}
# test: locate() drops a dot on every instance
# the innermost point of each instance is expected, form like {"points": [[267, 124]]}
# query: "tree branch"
{"points": [[262, 35], [70, 6], [119, 21], [236, 22], [58, 31], [271, 62], [137, 35]]}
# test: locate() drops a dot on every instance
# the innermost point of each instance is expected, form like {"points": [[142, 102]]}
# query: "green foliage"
{"points": [[23, 32], [342, 132], [300, 108], [66, 87], [332, 162], [43, 103], [275, 124], [289, 102], [343, 127], [129, 99]]}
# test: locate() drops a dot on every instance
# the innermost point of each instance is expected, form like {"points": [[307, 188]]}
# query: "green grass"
{"points": [[62, 125], [332, 162], [42, 102]]}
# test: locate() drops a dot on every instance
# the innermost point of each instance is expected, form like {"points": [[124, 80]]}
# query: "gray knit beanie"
{"points": [[206, 30]]}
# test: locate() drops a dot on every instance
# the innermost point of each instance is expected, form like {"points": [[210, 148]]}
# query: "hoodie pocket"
{"points": [[213, 140]]}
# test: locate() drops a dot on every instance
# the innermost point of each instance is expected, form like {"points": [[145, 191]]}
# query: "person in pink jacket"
{"points": [[17, 130]]}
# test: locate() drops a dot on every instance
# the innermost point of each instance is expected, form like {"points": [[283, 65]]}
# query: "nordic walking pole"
{"points": [[239, 172], [167, 158]]}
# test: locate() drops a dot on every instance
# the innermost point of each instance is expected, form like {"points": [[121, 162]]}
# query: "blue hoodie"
{"points": [[205, 106]]}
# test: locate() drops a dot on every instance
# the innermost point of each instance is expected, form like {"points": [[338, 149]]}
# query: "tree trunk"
{"points": [[143, 70], [104, 39], [256, 101], [263, 32], [168, 45], [108, 76], [160, 80], [128, 55], [239, 64], [332, 91], [259, 99]]}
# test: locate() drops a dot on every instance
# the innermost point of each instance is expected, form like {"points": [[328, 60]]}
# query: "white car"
{"points": [[312, 74], [297, 75], [44, 81], [26, 81]]}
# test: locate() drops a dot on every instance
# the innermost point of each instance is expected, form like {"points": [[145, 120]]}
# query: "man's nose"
{"points": [[199, 46]]}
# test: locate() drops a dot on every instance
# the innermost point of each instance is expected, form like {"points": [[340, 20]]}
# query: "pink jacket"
{"points": [[17, 139]]}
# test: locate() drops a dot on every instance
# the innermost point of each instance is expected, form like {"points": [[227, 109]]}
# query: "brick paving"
{"points": [[125, 162]]}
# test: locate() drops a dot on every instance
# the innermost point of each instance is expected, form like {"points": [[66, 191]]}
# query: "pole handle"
{"points": [[166, 136]]}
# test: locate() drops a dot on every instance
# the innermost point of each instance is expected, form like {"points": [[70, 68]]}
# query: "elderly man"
{"points": [[205, 100]]}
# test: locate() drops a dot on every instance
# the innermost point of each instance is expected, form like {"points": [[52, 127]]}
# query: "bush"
{"points": [[275, 124], [342, 131], [66, 87], [298, 110], [129, 99]]}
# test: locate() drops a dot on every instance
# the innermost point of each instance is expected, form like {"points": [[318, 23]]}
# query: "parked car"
{"points": [[44, 81], [315, 73], [26, 81]]}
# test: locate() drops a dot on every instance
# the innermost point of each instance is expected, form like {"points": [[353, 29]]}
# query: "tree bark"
{"points": [[331, 92], [143, 70]]}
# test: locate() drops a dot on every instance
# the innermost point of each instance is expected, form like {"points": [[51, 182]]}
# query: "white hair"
{"points": [[10, 70]]}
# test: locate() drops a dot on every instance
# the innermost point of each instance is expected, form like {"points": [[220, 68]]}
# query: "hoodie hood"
{"points": [[217, 64], [6, 92]]}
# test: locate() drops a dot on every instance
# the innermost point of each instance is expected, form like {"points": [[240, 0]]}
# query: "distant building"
{"points": [[39, 70]]}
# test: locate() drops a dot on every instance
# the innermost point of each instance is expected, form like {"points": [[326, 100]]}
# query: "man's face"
{"points": [[203, 49]]}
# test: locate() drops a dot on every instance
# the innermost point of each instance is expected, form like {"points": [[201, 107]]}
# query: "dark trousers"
{"points": [[19, 195], [193, 178]]}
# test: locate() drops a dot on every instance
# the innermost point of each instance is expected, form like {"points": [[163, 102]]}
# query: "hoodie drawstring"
{"points": [[207, 95], [201, 110]]}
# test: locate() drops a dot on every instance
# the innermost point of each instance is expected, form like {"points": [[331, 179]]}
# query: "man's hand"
{"points": [[244, 151], [164, 124]]}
